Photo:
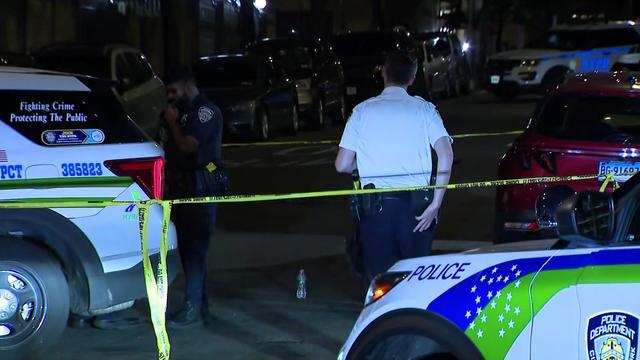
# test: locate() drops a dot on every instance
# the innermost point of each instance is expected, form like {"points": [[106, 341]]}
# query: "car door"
{"points": [[282, 92], [140, 90], [608, 292], [555, 307]]}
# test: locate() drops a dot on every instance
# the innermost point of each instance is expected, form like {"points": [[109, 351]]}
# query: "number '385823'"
{"points": [[81, 169]]}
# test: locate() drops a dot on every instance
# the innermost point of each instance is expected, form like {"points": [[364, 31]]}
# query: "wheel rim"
{"points": [[21, 306], [296, 122], [264, 126], [320, 113]]}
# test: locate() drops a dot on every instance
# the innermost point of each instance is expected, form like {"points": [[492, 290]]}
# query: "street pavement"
{"points": [[259, 248]]}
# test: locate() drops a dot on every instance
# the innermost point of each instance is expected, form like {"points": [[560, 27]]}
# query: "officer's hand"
{"points": [[429, 215], [171, 115]]}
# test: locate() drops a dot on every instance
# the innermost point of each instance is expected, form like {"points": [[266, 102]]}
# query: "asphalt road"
{"points": [[260, 247]]}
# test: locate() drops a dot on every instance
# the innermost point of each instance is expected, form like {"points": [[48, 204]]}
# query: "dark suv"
{"points": [[362, 56], [316, 71]]}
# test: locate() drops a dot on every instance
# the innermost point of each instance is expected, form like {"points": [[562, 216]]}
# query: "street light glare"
{"points": [[260, 4]]}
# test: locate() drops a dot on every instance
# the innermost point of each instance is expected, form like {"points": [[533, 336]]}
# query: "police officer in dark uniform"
{"points": [[193, 152]]}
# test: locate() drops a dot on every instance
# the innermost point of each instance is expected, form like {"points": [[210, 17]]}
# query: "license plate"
{"points": [[621, 170], [352, 90], [495, 79]]}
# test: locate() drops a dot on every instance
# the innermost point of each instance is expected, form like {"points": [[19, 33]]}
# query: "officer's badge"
{"points": [[612, 336], [205, 114]]}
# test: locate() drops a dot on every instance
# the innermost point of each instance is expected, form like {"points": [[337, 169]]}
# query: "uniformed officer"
{"points": [[388, 139], [193, 147]]}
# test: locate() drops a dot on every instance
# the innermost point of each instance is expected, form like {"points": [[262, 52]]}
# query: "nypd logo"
{"points": [[612, 336], [205, 114]]}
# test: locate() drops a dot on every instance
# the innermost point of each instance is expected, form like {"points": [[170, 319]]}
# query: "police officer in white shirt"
{"points": [[388, 139]]}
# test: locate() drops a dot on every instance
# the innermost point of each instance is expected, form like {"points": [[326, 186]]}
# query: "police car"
{"points": [[544, 63], [574, 297], [66, 138]]}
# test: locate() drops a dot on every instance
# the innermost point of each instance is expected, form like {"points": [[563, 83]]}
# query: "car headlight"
{"points": [[382, 284], [245, 106], [532, 62]]}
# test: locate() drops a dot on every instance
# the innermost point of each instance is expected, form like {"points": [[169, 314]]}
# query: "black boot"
{"points": [[189, 316]]}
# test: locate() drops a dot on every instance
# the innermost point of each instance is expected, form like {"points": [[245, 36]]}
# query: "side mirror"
{"points": [[547, 205], [586, 217]]}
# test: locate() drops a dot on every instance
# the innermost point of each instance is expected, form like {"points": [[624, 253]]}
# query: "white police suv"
{"points": [[543, 64], [66, 138], [576, 297]]}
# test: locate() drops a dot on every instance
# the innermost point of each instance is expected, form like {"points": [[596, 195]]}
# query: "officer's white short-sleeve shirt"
{"points": [[392, 135]]}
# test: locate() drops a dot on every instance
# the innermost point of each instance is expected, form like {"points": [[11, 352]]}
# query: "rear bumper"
{"points": [[518, 225], [128, 285]]}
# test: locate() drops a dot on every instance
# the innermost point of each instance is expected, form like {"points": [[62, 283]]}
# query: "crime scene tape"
{"points": [[335, 142], [156, 283]]}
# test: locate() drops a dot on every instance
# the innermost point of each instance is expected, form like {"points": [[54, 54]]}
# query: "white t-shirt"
{"points": [[392, 135]]}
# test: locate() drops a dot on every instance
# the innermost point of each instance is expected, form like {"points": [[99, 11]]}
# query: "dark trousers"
{"points": [[195, 225], [387, 235]]}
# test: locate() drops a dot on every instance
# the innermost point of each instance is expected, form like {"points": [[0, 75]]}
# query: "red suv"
{"points": [[589, 125]]}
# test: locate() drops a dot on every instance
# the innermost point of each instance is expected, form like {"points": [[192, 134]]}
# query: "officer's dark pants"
{"points": [[387, 236], [194, 225]]}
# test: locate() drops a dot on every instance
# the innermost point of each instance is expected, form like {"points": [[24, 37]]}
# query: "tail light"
{"points": [[146, 172], [546, 159], [382, 284]]}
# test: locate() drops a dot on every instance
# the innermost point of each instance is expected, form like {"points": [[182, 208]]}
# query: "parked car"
{"points": [[543, 63], [66, 138], [570, 297], [362, 56], [590, 125], [316, 71], [138, 88], [628, 62], [445, 67], [255, 94]]}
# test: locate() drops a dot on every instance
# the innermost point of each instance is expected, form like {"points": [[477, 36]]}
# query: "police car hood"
{"points": [[532, 245], [526, 54]]}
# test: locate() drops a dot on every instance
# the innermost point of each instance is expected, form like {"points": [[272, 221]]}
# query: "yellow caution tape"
{"points": [[335, 142], [334, 193], [157, 286]]}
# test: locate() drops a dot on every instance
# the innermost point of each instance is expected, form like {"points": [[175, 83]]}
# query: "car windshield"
{"points": [[227, 73], [354, 45], [294, 58], [591, 118], [75, 63], [585, 39]]}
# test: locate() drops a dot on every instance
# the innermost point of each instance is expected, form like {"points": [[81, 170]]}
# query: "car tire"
{"points": [[262, 128], [449, 343], [340, 116], [38, 308], [295, 121], [319, 120]]}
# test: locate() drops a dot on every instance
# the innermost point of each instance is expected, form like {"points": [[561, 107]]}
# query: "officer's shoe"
{"points": [[190, 316]]}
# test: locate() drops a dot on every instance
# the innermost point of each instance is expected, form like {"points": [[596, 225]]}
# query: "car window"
{"points": [[440, 46], [591, 118], [132, 70], [140, 68], [615, 37], [68, 118], [228, 73]]}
